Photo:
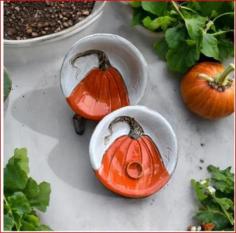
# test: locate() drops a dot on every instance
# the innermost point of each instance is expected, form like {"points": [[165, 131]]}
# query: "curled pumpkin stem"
{"points": [[103, 60], [136, 129]]}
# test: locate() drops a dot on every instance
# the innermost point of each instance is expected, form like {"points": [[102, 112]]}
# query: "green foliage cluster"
{"points": [[193, 30], [216, 198], [23, 196]]}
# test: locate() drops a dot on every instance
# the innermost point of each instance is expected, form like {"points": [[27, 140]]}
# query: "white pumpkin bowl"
{"points": [[154, 125], [122, 54]]}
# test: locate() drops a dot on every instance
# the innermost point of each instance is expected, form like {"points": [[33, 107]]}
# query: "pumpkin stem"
{"points": [[103, 60], [223, 77], [136, 129], [205, 77]]}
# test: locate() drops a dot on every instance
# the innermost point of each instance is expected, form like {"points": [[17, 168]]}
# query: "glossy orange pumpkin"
{"points": [[132, 166], [208, 91], [102, 90]]}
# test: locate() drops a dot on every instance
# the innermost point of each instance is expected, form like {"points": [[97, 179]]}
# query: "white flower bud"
{"points": [[211, 189], [203, 182], [199, 228]]}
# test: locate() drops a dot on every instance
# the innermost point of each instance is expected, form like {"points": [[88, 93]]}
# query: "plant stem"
{"points": [[10, 211], [227, 13], [208, 26], [223, 77], [103, 60], [177, 9], [136, 129], [221, 32], [187, 8], [205, 77]]}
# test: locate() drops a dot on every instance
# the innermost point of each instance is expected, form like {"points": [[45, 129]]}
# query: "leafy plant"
{"points": [[23, 196], [193, 30], [7, 85], [216, 198]]}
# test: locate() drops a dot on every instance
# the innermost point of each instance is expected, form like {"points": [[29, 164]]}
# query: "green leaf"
{"points": [[41, 201], [20, 157], [226, 49], [194, 25], [8, 222], [16, 170], [44, 228], [174, 36], [209, 46], [161, 48], [32, 189], [162, 22], [7, 85], [223, 180], [199, 190], [135, 4], [181, 58], [212, 216], [19, 204], [14, 178], [225, 202], [156, 8], [30, 223]]}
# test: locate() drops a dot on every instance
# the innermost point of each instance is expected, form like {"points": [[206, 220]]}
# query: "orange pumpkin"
{"points": [[208, 91], [102, 90], [132, 166]]}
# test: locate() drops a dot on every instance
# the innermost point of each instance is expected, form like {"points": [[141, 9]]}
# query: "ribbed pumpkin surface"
{"points": [[99, 93], [128, 158]]}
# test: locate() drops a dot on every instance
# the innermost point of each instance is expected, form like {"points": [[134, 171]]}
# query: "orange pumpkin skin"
{"points": [[102, 91], [202, 99], [133, 167], [98, 94]]}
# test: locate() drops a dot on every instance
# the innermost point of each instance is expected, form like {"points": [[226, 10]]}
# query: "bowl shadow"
{"points": [[46, 112]]}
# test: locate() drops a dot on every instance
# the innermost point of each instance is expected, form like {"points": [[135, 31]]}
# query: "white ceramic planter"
{"points": [[122, 54], [21, 52]]}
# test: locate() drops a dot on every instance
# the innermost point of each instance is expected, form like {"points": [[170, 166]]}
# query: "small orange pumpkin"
{"points": [[208, 91], [102, 91], [132, 166]]}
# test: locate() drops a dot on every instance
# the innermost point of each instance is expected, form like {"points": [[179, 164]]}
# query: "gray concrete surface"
{"points": [[37, 117]]}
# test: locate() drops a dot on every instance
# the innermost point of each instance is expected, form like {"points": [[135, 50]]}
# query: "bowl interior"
{"points": [[122, 54], [154, 125]]}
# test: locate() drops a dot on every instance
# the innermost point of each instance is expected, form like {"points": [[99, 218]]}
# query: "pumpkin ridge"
{"points": [[109, 93], [96, 84], [155, 149], [113, 155], [124, 91], [83, 82], [149, 154], [117, 86], [127, 153], [101, 89], [197, 95], [211, 98], [108, 155]]}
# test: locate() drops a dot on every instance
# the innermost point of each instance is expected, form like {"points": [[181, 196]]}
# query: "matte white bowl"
{"points": [[154, 125], [122, 54]]}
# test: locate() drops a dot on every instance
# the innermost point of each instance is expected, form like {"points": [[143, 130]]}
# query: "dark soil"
{"points": [[23, 20]]}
